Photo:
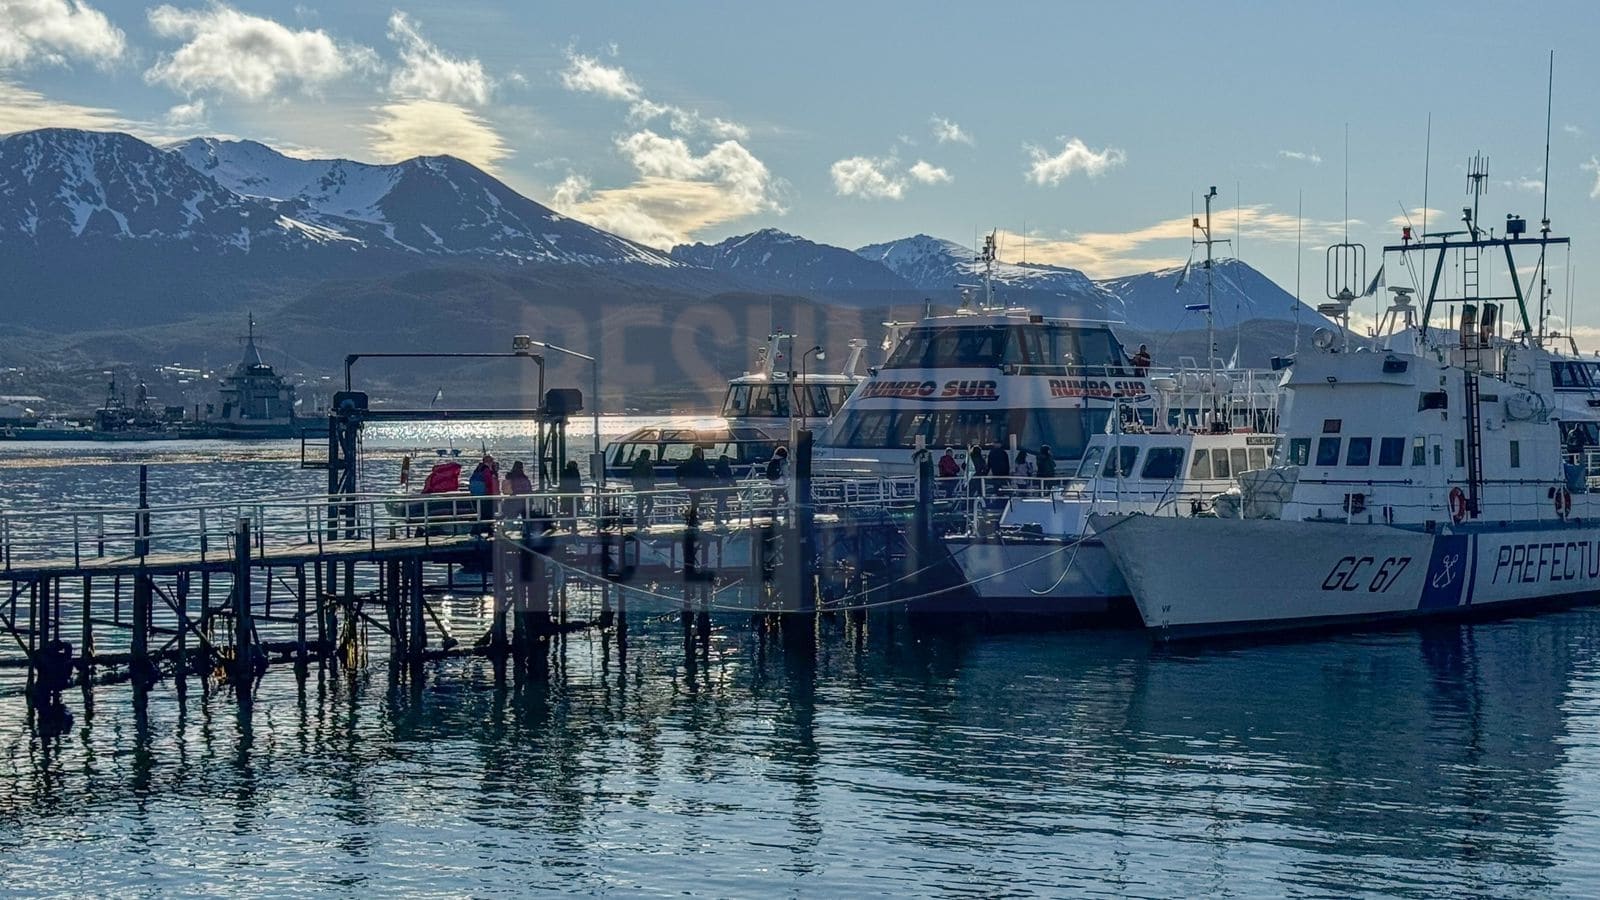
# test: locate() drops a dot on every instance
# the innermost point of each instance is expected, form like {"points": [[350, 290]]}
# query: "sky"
{"points": [[1084, 133]]}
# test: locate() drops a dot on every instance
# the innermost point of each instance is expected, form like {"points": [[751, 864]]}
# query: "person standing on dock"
{"points": [[694, 476], [778, 477], [485, 483], [643, 475], [570, 486], [518, 483], [722, 473]]}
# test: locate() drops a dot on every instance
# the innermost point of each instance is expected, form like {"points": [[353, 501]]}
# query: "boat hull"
{"points": [[1208, 577], [1052, 579]]}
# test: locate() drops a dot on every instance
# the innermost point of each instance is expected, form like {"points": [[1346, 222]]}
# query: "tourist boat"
{"points": [[757, 412], [986, 374], [1439, 472]]}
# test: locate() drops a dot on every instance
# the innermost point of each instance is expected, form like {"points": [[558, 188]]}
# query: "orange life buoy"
{"points": [[1458, 505], [1563, 502]]}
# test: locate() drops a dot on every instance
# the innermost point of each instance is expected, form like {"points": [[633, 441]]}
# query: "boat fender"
{"points": [[1458, 505], [1562, 498]]}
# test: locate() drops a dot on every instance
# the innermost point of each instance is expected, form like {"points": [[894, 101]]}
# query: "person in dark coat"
{"points": [[694, 476], [571, 482], [1046, 463], [643, 475], [726, 484]]}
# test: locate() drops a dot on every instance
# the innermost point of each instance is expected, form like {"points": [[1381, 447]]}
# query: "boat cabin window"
{"points": [[1219, 464], [1162, 463], [625, 454], [1516, 454], [1258, 458], [1119, 462], [777, 400], [1419, 451], [1066, 431], [1299, 452], [1239, 459], [1461, 453], [1391, 451], [1201, 467], [1359, 453], [1093, 351], [1574, 375], [1091, 462], [1328, 451]]}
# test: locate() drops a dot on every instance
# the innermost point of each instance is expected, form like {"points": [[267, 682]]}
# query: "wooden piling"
{"points": [[243, 669]]}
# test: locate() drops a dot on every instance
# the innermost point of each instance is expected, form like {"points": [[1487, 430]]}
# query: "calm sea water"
{"points": [[1454, 760]]}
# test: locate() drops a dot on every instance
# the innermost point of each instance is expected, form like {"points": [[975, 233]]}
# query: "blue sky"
{"points": [[1092, 126]]}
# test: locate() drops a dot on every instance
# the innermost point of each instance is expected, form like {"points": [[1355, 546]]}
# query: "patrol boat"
{"points": [[1442, 471]]}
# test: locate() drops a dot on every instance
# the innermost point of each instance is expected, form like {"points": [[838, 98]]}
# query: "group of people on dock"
{"points": [[700, 477]]}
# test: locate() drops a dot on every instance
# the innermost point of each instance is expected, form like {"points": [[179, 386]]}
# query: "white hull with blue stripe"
{"points": [[1232, 576]]}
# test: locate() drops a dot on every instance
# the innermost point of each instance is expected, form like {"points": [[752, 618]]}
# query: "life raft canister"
{"points": [[1458, 505]]}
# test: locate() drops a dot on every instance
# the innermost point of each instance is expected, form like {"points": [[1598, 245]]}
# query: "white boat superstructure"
{"points": [[1439, 471], [1043, 556]]}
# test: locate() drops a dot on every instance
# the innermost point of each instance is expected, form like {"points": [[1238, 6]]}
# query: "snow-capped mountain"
{"points": [[60, 185], [1156, 300], [935, 264], [798, 263], [435, 205]]}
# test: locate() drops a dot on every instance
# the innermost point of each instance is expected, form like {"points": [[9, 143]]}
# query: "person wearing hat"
{"points": [[778, 475]]}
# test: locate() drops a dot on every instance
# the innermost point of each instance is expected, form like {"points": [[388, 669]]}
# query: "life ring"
{"points": [[1563, 502], [1458, 505]]}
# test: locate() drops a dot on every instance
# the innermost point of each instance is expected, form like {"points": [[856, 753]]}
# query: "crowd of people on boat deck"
{"points": [[995, 469]]}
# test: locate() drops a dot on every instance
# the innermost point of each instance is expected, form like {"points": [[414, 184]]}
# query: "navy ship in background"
{"points": [[254, 403]]}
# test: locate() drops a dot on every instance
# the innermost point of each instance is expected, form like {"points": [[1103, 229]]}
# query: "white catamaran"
{"points": [[1442, 471]]}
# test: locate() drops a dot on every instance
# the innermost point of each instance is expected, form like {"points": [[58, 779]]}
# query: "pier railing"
{"points": [[82, 537]]}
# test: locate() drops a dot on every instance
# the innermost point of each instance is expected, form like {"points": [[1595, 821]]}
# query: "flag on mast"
{"points": [[1377, 282]]}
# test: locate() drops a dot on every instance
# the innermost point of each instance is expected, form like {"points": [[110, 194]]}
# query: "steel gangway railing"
{"points": [[204, 531]]}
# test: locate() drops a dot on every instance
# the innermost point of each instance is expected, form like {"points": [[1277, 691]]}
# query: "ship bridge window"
{"points": [[1572, 374], [1201, 467], [1419, 451], [951, 347], [1162, 463], [1299, 451], [1240, 460], [1359, 452], [1391, 451], [1119, 463], [1258, 458], [1328, 451], [1065, 431], [1433, 400], [1219, 464], [737, 402]]}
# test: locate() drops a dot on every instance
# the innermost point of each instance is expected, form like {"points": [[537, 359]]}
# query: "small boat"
{"points": [[757, 413]]}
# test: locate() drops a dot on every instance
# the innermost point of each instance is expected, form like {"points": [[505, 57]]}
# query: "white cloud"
{"points": [[678, 192], [1572, 129], [1525, 183], [867, 178], [1593, 165], [589, 75], [927, 173], [25, 110], [433, 128], [247, 56], [426, 73], [687, 121], [1302, 156], [1163, 244], [946, 131], [187, 115], [1415, 217], [1075, 156], [55, 32]]}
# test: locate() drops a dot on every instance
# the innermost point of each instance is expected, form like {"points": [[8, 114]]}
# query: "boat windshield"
{"points": [[778, 401], [1092, 350]]}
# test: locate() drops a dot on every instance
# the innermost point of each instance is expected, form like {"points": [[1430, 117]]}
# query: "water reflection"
{"points": [[869, 757]]}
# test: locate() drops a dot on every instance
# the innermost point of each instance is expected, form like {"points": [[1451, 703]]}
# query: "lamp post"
{"points": [[595, 387], [803, 395]]}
